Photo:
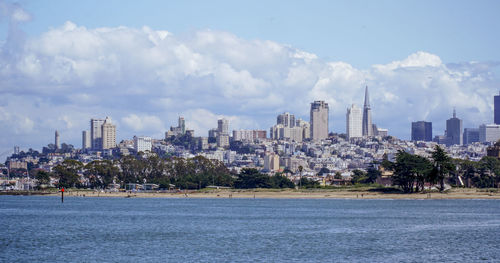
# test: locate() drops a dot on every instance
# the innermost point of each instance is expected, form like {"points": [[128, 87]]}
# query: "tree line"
{"points": [[194, 173], [412, 172]]}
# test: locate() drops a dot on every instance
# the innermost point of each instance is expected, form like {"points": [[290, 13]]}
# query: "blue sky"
{"points": [[144, 63], [362, 33]]}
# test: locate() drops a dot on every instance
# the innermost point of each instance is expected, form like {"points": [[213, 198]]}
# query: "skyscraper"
{"points": [[182, 125], [454, 130], [319, 120], [367, 116], [108, 134], [471, 135], [223, 126], [86, 140], [96, 134], [354, 118], [286, 119], [496, 109], [421, 131], [222, 133], [56, 140]]}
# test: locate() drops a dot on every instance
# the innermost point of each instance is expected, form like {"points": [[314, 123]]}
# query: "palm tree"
{"points": [[300, 171]]}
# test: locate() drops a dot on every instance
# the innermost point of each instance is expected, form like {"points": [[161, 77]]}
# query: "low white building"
{"points": [[142, 144]]}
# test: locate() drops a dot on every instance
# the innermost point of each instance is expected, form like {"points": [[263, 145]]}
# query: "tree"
{"points": [[442, 167], [410, 171], [42, 177], [67, 172], [300, 171], [101, 173], [280, 181], [337, 175], [252, 178]]}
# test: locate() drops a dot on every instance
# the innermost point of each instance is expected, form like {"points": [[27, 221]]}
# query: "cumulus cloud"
{"points": [[146, 78]]}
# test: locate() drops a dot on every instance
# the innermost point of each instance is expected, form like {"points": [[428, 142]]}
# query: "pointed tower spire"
{"points": [[367, 98], [367, 116]]}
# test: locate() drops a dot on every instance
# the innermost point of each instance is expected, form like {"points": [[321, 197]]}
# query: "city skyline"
{"points": [[57, 73]]}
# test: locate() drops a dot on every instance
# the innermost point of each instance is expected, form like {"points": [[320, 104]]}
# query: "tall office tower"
{"points": [[86, 140], [96, 134], [56, 140], [489, 133], [354, 118], [421, 131], [182, 125], [454, 130], [223, 126], [471, 135], [496, 109], [108, 134], [306, 128], [16, 150], [319, 120], [367, 116], [286, 119]]}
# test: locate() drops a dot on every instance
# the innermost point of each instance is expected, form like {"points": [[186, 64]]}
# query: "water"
{"points": [[41, 229]]}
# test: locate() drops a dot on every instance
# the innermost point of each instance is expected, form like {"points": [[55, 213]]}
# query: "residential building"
{"points": [[271, 162], [96, 134], [86, 141], [319, 120], [108, 134], [142, 144], [286, 119]]}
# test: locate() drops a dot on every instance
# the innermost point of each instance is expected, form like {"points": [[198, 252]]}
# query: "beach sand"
{"points": [[290, 194]]}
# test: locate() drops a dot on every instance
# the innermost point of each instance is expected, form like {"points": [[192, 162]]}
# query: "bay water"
{"points": [[42, 229]]}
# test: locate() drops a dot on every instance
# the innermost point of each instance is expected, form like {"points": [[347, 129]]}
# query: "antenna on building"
{"points": [[454, 112]]}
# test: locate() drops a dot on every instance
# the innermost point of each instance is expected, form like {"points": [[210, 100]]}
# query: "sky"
{"points": [[146, 63]]}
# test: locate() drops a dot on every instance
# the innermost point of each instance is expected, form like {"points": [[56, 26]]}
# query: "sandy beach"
{"points": [[289, 194]]}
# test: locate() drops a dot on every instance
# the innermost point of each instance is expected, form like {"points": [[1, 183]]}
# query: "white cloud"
{"points": [[146, 78], [143, 123]]}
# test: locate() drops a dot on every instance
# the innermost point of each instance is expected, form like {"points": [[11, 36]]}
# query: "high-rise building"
{"points": [[354, 118], [421, 131], [496, 109], [108, 134], [143, 144], [471, 135], [286, 119], [319, 120], [96, 134], [306, 128], [182, 125], [271, 162], [86, 140], [223, 126], [56, 140], [489, 133], [367, 116], [454, 130]]}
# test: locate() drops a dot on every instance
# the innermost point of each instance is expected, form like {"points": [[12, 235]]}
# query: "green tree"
{"points": [[42, 177], [442, 167], [410, 171], [67, 173], [252, 178], [280, 181]]}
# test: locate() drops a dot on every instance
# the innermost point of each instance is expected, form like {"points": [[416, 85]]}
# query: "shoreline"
{"points": [[277, 194]]}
